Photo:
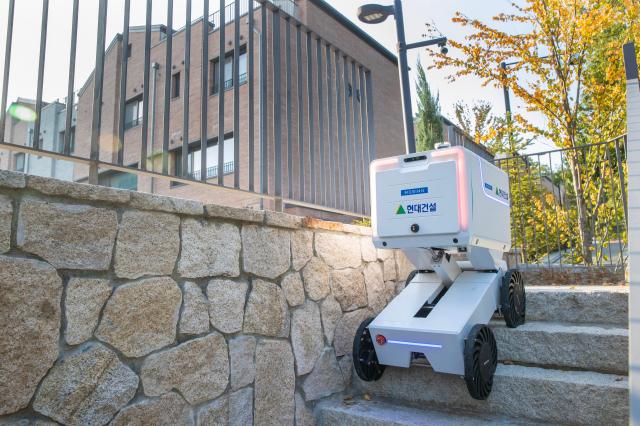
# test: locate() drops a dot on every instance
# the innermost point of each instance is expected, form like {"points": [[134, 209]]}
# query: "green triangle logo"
{"points": [[400, 210]]}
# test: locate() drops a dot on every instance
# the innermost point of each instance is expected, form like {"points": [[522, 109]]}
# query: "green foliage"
{"points": [[506, 137], [365, 221], [499, 135], [566, 66], [428, 118], [476, 120], [543, 206]]}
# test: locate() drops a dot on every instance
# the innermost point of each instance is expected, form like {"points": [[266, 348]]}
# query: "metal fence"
{"points": [[304, 136], [569, 206], [287, 6]]}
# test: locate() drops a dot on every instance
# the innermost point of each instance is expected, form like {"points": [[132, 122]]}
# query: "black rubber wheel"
{"points": [[480, 361], [365, 360], [513, 301]]}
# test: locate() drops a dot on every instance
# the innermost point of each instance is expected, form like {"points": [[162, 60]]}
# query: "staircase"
{"points": [[567, 365]]}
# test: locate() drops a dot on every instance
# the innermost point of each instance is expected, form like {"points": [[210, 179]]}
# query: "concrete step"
{"points": [[360, 412], [578, 304], [555, 396], [601, 348]]}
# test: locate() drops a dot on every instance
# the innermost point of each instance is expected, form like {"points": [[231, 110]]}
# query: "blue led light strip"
{"points": [[423, 345]]}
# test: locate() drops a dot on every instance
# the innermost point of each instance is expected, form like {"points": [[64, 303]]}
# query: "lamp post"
{"points": [[505, 89], [507, 102], [374, 14]]}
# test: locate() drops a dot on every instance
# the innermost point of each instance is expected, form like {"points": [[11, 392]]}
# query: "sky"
{"points": [[26, 41]]}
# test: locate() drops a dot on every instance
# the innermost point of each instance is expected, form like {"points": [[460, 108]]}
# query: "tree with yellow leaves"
{"points": [[553, 73]]}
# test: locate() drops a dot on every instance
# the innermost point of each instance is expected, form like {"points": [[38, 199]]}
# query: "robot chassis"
{"points": [[441, 207]]}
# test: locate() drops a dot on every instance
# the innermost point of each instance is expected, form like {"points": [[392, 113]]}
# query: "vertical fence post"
{"points": [[330, 139], [187, 90], [204, 91], [7, 67], [43, 51], [123, 80], [236, 95], [98, 80], [358, 191], [250, 79], [288, 72], [349, 151], [633, 164], [145, 88], [311, 120], [321, 141], [339, 132], [299, 88], [221, 89], [264, 187], [167, 88], [70, 84], [365, 137], [277, 111]]}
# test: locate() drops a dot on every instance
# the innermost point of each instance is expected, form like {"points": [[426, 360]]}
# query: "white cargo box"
{"points": [[446, 198]]}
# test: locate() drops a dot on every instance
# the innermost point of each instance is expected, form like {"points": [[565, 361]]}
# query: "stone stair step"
{"points": [[601, 348], [576, 397], [578, 304], [386, 413]]}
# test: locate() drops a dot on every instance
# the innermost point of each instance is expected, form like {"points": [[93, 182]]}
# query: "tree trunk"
{"points": [[586, 235]]}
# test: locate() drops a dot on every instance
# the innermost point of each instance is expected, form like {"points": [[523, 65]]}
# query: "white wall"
{"points": [[633, 162]]}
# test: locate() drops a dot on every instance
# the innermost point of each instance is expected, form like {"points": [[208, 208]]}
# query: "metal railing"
{"points": [[569, 206], [306, 140], [213, 171], [228, 84]]}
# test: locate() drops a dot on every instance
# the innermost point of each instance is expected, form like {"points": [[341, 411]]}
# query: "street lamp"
{"points": [[374, 14]]}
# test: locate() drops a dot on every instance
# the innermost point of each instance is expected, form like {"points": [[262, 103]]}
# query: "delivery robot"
{"points": [[448, 211]]}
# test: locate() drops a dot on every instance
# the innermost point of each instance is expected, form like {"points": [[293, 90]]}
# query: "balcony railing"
{"points": [[287, 6], [228, 84], [212, 172]]}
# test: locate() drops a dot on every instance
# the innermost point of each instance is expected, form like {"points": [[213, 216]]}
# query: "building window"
{"points": [[175, 85], [228, 71], [18, 162], [194, 159], [133, 113], [121, 180], [129, 50]]}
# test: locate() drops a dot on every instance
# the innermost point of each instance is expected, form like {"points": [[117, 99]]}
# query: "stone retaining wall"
{"points": [[123, 307]]}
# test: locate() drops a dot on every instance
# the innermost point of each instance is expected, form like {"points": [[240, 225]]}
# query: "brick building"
{"points": [[319, 21]]}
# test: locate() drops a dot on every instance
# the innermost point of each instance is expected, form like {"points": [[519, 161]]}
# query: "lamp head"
{"points": [[443, 48], [374, 13]]}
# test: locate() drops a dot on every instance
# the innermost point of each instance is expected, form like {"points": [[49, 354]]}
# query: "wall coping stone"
{"points": [[282, 220], [12, 179], [225, 212], [144, 201], [75, 190], [151, 202], [313, 223]]}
